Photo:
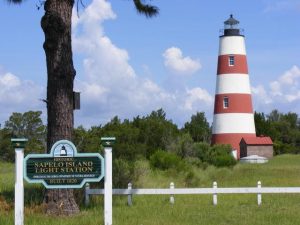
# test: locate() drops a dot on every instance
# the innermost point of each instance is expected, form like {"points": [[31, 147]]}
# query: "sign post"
{"points": [[108, 142], [19, 145]]}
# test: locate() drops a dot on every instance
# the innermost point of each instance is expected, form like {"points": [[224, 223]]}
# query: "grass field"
{"points": [[238, 209]]}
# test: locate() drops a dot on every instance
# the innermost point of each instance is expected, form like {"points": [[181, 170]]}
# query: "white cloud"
{"points": [[294, 97], [291, 76], [196, 97], [95, 12], [8, 81], [282, 5], [18, 95], [287, 85], [281, 94], [261, 94], [14, 91], [275, 88], [111, 86], [177, 63]]}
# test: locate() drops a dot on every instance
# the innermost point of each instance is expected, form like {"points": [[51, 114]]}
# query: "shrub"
{"points": [[194, 161], [191, 180], [202, 151], [283, 148], [123, 173], [141, 168], [166, 160], [182, 146], [220, 156], [217, 155]]}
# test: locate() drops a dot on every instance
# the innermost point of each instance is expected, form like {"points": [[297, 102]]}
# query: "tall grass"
{"points": [[238, 209]]}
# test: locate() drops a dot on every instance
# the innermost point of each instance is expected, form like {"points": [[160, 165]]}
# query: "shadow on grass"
{"points": [[33, 195]]}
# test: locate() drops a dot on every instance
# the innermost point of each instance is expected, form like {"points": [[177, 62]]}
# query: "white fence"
{"points": [[214, 191]]}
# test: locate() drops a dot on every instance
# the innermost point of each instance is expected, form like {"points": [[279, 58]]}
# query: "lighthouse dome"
{"points": [[231, 23], [231, 27]]}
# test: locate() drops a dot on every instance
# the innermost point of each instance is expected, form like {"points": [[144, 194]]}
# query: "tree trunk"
{"points": [[56, 24]]}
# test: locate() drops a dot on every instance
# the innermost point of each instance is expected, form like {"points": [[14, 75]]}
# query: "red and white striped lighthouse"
{"points": [[233, 112]]}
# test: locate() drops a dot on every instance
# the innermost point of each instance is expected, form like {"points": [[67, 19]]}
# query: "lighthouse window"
{"points": [[231, 60], [225, 102]]}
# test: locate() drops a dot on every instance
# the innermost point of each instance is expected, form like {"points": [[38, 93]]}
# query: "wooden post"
{"points": [[87, 196], [172, 199], [215, 197], [107, 142], [259, 193], [19, 145], [129, 197]]}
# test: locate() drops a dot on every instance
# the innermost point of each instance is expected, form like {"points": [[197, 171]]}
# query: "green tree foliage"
{"points": [[6, 151], [123, 173], [155, 131], [166, 160], [198, 128], [127, 135], [141, 137], [201, 150], [220, 156], [182, 145], [274, 116], [261, 124], [80, 138], [217, 155], [87, 140], [292, 119], [284, 130], [28, 125]]}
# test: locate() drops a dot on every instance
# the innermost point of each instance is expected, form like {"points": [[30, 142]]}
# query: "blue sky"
{"points": [[128, 65]]}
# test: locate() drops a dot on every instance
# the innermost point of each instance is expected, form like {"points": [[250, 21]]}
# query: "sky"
{"points": [[129, 65]]}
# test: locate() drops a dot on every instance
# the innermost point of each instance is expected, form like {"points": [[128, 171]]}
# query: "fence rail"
{"points": [[189, 191]]}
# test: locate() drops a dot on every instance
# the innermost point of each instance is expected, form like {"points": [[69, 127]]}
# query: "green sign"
{"points": [[63, 167]]}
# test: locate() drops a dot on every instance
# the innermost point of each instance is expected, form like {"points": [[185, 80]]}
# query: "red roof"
{"points": [[258, 140]]}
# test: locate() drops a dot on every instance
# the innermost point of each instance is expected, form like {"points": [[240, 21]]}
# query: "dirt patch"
{"points": [[4, 206]]}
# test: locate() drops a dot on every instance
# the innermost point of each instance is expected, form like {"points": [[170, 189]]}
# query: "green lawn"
{"points": [[239, 209]]}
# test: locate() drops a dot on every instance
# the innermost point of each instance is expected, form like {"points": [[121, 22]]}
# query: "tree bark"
{"points": [[56, 24]]}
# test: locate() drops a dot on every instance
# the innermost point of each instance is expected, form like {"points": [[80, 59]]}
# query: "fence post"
{"points": [[129, 198], [259, 193], [172, 199], [87, 196], [215, 197]]}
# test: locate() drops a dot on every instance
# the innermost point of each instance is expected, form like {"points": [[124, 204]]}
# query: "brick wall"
{"points": [[260, 150]]}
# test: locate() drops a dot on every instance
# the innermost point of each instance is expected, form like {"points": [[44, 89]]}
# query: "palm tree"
{"points": [[56, 24]]}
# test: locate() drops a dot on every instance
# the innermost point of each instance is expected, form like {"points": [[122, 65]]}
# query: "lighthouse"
{"points": [[233, 112]]}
